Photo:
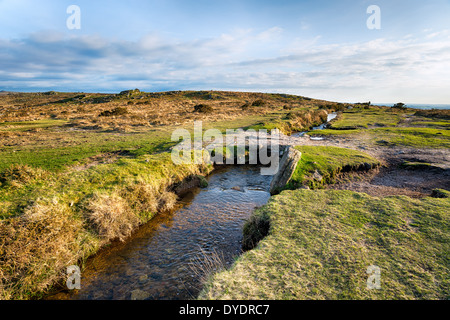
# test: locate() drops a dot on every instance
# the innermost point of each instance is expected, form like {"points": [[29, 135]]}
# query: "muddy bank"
{"points": [[399, 180], [414, 172]]}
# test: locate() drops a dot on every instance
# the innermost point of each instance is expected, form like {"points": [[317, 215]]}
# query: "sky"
{"points": [[321, 49]]}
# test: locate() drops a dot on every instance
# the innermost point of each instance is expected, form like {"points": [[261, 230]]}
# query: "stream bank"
{"points": [[165, 258]]}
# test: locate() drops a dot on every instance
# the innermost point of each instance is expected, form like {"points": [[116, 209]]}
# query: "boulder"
{"points": [[317, 176], [286, 169]]}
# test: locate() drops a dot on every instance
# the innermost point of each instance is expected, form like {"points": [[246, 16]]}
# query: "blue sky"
{"points": [[322, 49]]}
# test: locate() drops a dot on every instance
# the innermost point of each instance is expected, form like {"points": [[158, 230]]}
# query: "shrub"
{"points": [[399, 105], [119, 111], [203, 108], [246, 106], [259, 103]]}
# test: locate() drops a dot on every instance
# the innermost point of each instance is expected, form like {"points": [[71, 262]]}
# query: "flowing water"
{"points": [[330, 117], [161, 261]]}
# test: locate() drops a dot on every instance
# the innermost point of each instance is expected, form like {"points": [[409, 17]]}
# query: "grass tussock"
{"points": [[111, 216], [18, 175], [167, 201], [143, 198], [206, 264], [37, 246]]}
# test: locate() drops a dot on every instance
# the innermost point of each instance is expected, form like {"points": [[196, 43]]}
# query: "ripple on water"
{"points": [[156, 262]]}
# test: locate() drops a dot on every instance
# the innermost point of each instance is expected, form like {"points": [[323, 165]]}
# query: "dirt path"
{"points": [[392, 178]]}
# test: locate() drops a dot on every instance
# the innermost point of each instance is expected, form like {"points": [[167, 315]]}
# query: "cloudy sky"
{"points": [[321, 49]]}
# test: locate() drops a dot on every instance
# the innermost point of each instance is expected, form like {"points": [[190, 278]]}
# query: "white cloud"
{"points": [[381, 69]]}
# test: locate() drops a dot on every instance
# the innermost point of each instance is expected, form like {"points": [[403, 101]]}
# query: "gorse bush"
{"points": [[434, 113], [119, 111], [399, 105], [203, 108], [259, 103]]}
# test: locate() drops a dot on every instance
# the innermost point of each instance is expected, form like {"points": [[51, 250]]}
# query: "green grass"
{"points": [[385, 127], [432, 124], [59, 150], [365, 118], [29, 125], [413, 137], [55, 148], [321, 243], [328, 162], [420, 137]]}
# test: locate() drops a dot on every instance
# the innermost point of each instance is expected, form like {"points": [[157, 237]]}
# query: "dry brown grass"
{"points": [[305, 119], [37, 246], [143, 109], [167, 201], [142, 196], [206, 264], [17, 175], [111, 216]]}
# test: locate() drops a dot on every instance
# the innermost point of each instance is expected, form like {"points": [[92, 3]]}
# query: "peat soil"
{"points": [[392, 178]]}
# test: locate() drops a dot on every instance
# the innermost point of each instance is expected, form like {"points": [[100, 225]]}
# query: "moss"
{"points": [[321, 165], [365, 118], [203, 182], [417, 165]]}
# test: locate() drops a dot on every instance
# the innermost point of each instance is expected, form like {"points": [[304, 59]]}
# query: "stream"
{"points": [[162, 258], [330, 117]]}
